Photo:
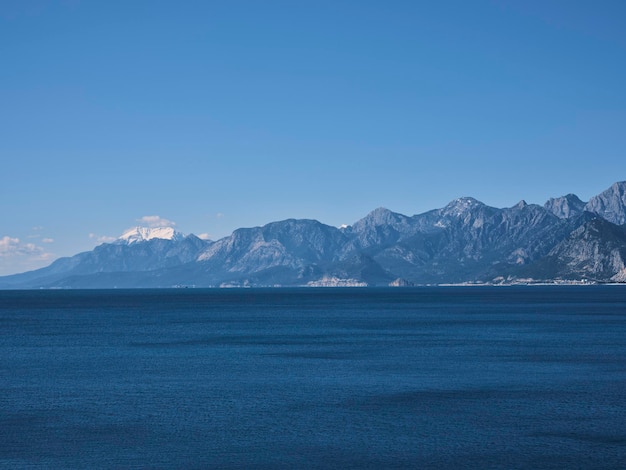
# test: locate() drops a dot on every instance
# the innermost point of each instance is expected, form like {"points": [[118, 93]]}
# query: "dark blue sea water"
{"points": [[520, 377]]}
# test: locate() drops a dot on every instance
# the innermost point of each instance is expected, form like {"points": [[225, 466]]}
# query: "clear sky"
{"points": [[215, 115]]}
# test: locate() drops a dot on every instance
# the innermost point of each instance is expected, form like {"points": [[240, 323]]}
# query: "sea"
{"points": [[526, 377]]}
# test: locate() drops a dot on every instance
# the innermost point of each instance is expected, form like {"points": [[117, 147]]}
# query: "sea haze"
{"points": [[447, 377]]}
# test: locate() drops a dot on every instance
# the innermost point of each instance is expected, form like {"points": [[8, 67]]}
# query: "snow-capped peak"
{"points": [[139, 234], [460, 206]]}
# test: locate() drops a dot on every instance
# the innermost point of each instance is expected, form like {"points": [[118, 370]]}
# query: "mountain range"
{"points": [[466, 242]]}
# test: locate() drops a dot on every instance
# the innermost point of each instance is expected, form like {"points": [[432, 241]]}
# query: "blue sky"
{"points": [[218, 115]]}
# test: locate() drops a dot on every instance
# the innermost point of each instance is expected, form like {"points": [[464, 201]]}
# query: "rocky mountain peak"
{"points": [[460, 206], [566, 206], [379, 216], [610, 204]]}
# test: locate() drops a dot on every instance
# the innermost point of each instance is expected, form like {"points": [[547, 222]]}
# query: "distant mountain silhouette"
{"points": [[566, 240]]}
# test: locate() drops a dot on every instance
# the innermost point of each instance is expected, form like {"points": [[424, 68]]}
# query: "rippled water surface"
{"points": [[524, 377]]}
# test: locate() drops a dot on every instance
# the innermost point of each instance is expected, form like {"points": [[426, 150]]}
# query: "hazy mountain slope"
{"points": [[147, 255]]}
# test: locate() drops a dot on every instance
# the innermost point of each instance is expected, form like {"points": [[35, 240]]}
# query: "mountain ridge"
{"points": [[565, 240]]}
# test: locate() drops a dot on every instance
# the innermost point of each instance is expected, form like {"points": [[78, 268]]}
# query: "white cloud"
{"points": [[219, 215], [17, 256], [204, 236], [154, 221], [101, 238], [8, 244], [47, 240], [13, 247]]}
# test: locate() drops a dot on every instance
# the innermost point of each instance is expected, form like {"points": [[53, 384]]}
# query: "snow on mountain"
{"points": [[139, 234], [461, 206]]}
